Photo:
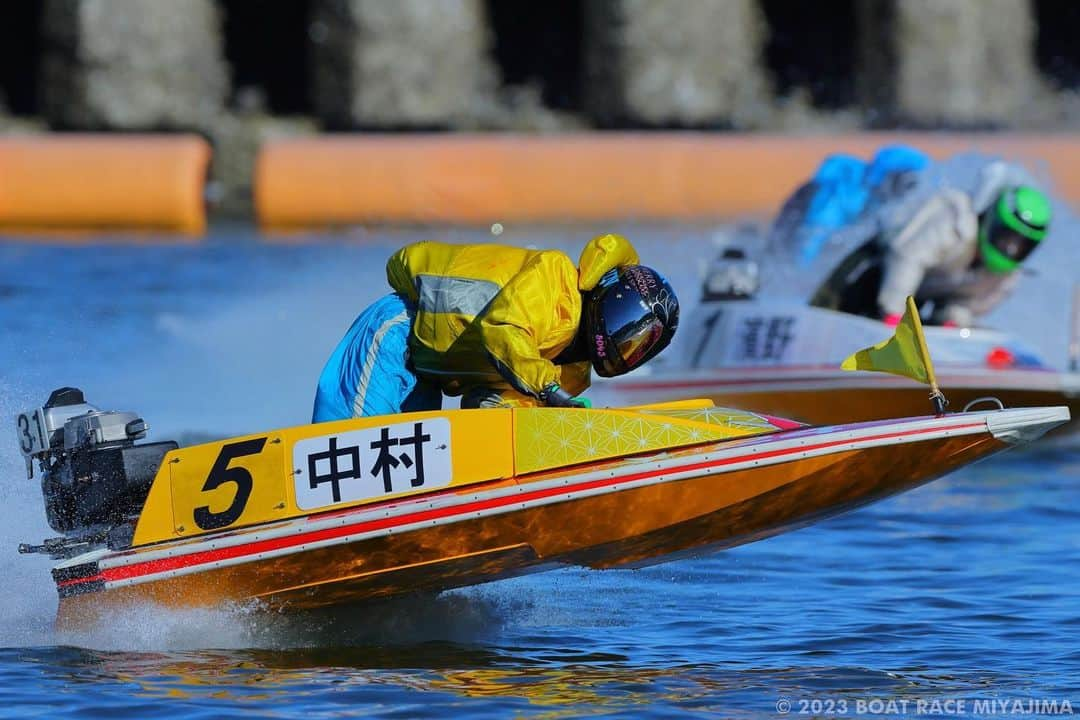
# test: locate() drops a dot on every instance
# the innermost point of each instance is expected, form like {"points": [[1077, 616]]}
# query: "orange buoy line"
{"points": [[61, 183], [78, 183], [486, 178]]}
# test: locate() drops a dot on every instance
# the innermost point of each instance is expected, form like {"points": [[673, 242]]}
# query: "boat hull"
{"points": [[627, 512], [780, 356]]}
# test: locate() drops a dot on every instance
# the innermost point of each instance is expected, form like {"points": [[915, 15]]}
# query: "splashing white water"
{"points": [[27, 593], [463, 617]]}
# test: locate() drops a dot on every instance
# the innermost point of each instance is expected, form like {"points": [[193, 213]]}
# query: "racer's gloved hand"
{"points": [[892, 320], [555, 396]]}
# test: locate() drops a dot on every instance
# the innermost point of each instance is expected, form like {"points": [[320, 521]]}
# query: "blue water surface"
{"points": [[965, 590]]}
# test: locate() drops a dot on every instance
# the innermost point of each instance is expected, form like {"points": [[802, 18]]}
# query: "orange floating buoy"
{"points": [[490, 179], [103, 182]]}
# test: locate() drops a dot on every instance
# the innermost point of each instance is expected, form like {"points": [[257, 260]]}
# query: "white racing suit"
{"points": [[930, 256]]}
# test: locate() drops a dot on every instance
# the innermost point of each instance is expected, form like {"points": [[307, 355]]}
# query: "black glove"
{"points": [[555, 396]]}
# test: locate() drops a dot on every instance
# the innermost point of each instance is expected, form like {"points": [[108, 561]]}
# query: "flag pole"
{"points": [[936, 396]]}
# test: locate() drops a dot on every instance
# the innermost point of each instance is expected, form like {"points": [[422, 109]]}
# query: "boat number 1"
{"points": [[220, 474], [710, 325]]}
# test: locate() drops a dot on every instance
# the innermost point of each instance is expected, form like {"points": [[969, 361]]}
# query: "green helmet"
{"points": [[1011, 228]]}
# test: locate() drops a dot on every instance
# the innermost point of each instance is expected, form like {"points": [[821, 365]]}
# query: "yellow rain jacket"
{"points": [[495, 317]]}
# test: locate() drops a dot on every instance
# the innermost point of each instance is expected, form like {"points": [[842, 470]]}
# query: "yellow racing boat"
{"points": [[345, 512]]}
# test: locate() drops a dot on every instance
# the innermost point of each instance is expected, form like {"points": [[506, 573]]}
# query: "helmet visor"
{"points": [[633, 330], [1008, 241], [635, 342]]}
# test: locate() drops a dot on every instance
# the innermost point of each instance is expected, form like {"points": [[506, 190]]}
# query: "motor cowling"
{"points": [[732, 276], [93, 474]]}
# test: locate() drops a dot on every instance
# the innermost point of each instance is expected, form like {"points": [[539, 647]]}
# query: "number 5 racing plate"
{"points": [[30, 427], [228, 484], [372, 463]]}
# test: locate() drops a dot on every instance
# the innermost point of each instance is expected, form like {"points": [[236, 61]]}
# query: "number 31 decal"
{"points": [[26, 440], [220, 474]]}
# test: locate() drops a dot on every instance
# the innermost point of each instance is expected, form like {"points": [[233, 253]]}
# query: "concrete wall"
{"points": [[408, 64], [132, 64], [674, 62], [947, 62], [400, 64]]}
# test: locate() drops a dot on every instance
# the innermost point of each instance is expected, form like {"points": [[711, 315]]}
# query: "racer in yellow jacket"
{"points": [[502, 326]]}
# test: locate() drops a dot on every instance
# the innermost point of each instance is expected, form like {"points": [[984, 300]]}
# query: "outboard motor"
{"points": [[94, 478], [732, 276]]}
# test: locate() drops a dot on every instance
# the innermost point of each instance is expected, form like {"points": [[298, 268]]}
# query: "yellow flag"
{"points": [[905, 353]]}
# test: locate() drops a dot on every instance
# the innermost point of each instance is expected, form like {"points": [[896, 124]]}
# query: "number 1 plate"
{"points": [[30, 427]]}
